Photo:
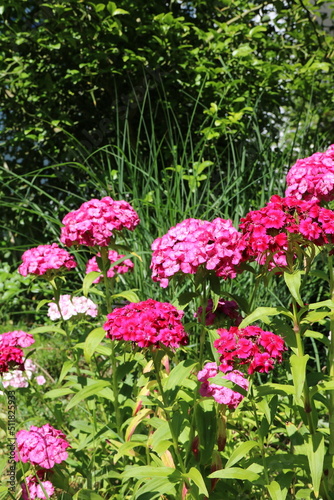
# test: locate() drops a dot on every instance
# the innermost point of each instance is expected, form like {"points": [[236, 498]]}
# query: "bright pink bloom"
{"points": [[43, 446], [222, 395], [248, 346], [226, 311], [45, 258], [16, 338], [299, 223], [72, 306], [94, 223], [312, 178], [32, 488], [193, 243], [147, 323], [10, 357], [123, 267]]}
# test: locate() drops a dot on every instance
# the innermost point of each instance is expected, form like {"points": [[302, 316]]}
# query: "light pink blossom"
{"points": [[72, 306], [32, 487]]}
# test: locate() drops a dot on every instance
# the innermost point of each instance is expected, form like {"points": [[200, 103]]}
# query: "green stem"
{"points": [[108, 294], [331, 375], [203, 305], [308, 406], [167, 413], [261, 440]]}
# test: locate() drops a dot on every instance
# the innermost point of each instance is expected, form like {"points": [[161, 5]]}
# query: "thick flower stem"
{"points": [[203, 305], [108, 294], [167, 413], [308, 406], [331, 375]]}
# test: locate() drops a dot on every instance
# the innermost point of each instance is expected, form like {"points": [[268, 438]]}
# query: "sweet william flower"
{"points": [[32, 488], [45, 259], [113, 256], [72, 306], [147, 323], [42, 446], [94, 222], [215, 246], [221, 394], [16, 338]]}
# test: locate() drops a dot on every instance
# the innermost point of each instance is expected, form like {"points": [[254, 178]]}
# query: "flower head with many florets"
{"points": [[72, 306], [121, 268], [216, 246], [42, 446], [148, 323], [250, 346], [94, 223], [283, 225], [11, 356], [46, 259], [32, 487], [312, 178], [221, 394]]}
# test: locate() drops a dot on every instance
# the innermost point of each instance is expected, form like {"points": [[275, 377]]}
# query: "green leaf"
{"points": [[315, 316], [41, 303], [87, 495], [261, 313], [324, 303], [315, 449], [155, 488], [318, 336], [235, 473], [275, 491], [176, 378], [224, 382], [298, 369], [47, 329], [65, 369], [129, 295], [240, 452], [88, 281], [90, 390], [146, 471], [92, 341], [58, 393], [197, 478], [270, 388], [293, 282], [206, 427]]}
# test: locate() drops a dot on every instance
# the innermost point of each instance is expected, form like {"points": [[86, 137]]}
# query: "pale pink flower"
{"points": [[32, 488], [72, 306]]}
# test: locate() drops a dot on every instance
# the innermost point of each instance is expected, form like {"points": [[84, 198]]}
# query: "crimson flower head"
{"points": [[250, 346], [95, 221], [312, 178], [148, 323], [44, 259], [283, 224], [215, 246]]}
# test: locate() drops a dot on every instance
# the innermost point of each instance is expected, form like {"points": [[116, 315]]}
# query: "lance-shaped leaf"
{"points": [[298, 369], [293, 282], [315, 449], [262, 313], [90, 390], [92, 341]]}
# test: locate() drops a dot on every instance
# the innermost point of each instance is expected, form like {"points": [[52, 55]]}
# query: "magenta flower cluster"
{"points": [[45, 258], [312, 178], [113, 256], [148, 323], [226, 311], [250, 346], [267, 232], [72, 306], [94, 222], [32, 487], [222, 395], [42, 446], [216, 245], [11, 356]]}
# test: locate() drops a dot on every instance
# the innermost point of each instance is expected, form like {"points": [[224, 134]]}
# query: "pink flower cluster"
{"points": [[148, 323], [113, 256], [45, 258], [222, 395], [32, 488], [18, 378], [94, 222], [72, 306], [11, 356], [250, 346], [226, 311], [312, 178], [267, 232], [216, 245], [42, 446]]}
